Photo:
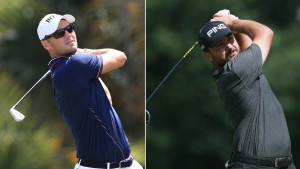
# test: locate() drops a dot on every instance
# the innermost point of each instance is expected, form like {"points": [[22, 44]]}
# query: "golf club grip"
{"points": [[190, 49], [42, 78]]}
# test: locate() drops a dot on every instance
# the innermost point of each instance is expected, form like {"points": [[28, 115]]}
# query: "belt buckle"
{"points": [[276, 162], [125, 160], [120, 163]]}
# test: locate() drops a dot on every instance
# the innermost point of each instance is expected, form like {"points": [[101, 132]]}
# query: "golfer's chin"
{"points": [[71, 51]]}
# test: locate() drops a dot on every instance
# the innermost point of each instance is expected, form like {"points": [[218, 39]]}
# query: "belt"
{"points": [[124, 163], [277, 162]]}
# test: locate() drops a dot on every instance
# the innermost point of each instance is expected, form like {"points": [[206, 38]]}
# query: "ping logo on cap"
{"points": [[215, 29], [49, 19]]}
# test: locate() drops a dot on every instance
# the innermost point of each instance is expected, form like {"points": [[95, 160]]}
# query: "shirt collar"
{"points": [[215, 72], [55, 60]]}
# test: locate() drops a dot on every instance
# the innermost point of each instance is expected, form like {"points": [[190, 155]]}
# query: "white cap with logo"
{"points": [[50, 22]]}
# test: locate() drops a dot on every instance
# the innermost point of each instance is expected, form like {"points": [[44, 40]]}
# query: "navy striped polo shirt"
{"points": [[85, 108]]}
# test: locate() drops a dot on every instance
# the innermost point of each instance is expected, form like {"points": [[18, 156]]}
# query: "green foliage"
{"points": [[24, 144], [189, 128], [138, 149]]}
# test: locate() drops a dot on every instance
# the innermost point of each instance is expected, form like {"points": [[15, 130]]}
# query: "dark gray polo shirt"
{"points": [[260, 128]]}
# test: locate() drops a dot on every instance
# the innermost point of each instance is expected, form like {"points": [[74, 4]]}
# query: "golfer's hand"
{"points": [[227, 19]]}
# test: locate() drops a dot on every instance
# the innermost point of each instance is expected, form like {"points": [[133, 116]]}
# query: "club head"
{"points": [[16, 114]]}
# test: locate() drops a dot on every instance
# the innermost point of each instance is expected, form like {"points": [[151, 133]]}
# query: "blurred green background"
{"points": [[189, 128], [42, 140]]}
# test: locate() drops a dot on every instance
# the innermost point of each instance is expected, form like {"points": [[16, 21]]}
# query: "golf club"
{"points": [[147, 112], [15, 113], [147, 117], [171, 71]]}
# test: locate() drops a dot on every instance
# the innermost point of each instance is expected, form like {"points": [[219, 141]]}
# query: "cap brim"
{"points": [[69, 18]]}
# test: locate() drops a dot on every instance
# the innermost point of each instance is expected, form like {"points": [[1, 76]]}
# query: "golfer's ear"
{"points": [[208, 56], [45, 44]]}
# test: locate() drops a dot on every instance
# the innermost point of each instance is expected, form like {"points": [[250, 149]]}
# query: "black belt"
{"points": [[277, 162], [93, 164]]}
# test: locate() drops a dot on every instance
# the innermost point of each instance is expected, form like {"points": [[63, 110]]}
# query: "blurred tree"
{"points": [[27, 144]]}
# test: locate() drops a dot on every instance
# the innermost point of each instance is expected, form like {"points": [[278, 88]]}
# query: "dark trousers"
{"points": [[239, 165]]}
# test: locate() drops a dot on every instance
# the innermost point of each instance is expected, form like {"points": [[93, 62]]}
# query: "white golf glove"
{"points": [[226, 12]]}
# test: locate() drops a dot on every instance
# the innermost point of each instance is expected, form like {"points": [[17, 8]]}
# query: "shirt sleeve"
{"points": [[248, 65], [85, 67]]}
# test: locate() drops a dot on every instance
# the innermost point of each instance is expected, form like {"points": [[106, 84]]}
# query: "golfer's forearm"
{"points": [[252, 29], [259, 33], [100, 51], [105, 51], [112, 58]]}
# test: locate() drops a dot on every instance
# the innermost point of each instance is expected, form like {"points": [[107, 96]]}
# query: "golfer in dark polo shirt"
{"points": [[261, 137]]}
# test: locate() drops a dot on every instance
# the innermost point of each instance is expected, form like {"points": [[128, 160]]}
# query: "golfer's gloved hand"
{"points": [[226, 12]]}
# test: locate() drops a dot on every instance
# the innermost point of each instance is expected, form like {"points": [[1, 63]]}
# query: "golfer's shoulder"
{"points": [[252, 49], [82, 58], [247, 55]]}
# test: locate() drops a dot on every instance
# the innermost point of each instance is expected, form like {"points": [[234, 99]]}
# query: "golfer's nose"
{"points": [[229, 45]]}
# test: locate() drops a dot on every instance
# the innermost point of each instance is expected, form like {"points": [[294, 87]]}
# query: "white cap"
{"points": [[50, 22]]}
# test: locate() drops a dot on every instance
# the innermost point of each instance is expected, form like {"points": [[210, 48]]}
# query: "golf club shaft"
{"points": [[42, 78], [171, 71]]}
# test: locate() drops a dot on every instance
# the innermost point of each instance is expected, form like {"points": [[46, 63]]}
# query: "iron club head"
{"points": [[16, 114]]}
